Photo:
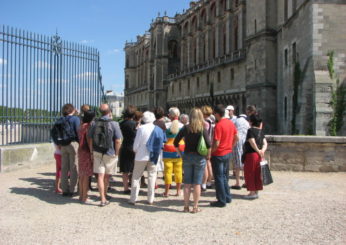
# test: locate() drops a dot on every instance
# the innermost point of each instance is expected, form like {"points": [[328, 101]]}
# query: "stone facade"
{"points": [[116, 103], [243, 52]]}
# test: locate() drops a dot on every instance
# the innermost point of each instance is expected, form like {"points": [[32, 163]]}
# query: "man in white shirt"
{"points": [[231, 116]]}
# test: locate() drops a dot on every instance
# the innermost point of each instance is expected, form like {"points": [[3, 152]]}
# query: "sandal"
{"points": [[104, 203], [196, 210], [186, 209]]}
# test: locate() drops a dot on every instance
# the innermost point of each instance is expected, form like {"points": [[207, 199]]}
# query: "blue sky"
{"points": [[103, 24]]}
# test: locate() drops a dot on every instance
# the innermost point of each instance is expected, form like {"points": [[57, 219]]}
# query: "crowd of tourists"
{"points": [[195, 151]]}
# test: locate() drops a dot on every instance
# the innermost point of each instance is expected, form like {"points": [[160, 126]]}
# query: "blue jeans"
{"points": [[193, 165], [220, 165]]}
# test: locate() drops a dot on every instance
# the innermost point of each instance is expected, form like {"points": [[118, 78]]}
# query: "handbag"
{"points": [[202, 147], [265, 173]]}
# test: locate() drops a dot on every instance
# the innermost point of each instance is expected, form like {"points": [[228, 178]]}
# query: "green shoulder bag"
{"points": [[202, 147]]}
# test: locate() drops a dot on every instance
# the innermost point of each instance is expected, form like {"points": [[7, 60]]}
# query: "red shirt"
{"points": [[224, 133]]}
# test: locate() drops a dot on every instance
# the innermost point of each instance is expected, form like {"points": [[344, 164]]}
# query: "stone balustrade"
{"points": [[306, 153], [285, 153]]}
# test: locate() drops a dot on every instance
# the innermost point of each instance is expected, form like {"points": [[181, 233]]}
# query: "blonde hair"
{"points": [[175, 113], [196, 121], [206, 110]]}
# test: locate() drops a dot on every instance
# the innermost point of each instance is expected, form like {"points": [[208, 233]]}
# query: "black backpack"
{"points": [[62, 132], [102, 139]]}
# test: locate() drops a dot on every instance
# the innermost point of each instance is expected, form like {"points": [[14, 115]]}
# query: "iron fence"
{"points": [[38, 74]]}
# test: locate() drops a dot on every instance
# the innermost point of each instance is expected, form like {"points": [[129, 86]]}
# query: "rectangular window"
{"points": [[208, 80], [232, 74], [188, 84], [285, 108], [294, 53], [286, 10], [286, 57], [197, 82], [294, 5], [172, 88], [219, 77], [179, 86]]}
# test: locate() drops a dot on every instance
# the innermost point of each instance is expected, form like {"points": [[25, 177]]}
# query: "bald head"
{"points": [[104, 109]]}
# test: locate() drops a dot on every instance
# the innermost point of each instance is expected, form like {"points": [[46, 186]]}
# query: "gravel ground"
{"points": [[302, 208]]}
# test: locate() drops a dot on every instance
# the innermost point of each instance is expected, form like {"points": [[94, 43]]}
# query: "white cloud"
{"points": [[84, 90], [87, 41], [42, 80], [3, 61], [8, 75], [42, 65], [113, 51], [86, 75]]}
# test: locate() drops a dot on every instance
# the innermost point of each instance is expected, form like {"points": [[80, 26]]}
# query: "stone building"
{"points": [[270, 53], [116, 103]]}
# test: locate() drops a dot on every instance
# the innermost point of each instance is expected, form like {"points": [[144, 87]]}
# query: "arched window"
{"points": [[173, 49], [127, 85], [235, 32], [212, 11], [213, 44], [127, 61], [203, 41], [203, 18], [194, 50], [224, 39], [186, 28], [222, 7], [194, 24]]}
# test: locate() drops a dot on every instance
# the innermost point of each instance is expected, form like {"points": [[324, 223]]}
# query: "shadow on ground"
{"points": [[43, 189]]}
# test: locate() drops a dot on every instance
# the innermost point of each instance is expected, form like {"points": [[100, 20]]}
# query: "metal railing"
{"points": [[38, 74]]}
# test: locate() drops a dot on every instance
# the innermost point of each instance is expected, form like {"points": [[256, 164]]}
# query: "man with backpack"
{"points": [[65, 136], [104, 140]]}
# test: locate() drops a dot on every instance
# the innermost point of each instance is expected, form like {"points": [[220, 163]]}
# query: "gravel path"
{"points": [[301, 208]]}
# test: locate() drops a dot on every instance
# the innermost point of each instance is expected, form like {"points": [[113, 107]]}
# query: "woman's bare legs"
{"points": [[126, 181], [187, 192]]}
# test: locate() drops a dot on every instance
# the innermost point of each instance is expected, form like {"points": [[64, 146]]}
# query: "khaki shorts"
{"points": [[104, 164]]}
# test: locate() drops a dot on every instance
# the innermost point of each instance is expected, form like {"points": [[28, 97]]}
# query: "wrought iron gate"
{"points": [[38, 74]]}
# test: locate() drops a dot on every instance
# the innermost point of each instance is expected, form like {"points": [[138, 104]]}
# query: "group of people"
{"points": [[155, 141], [86, 146]]}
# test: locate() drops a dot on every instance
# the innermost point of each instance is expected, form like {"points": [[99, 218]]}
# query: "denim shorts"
{"points": [[193, 166]]}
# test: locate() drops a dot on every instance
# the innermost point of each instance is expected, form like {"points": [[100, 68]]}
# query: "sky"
{"points": [[102, 24]]}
